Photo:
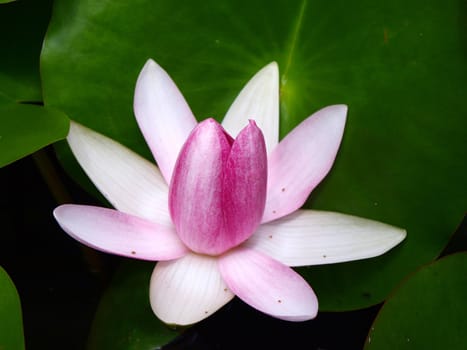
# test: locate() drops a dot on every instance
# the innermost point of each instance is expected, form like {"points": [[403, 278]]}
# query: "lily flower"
{"points": [[220, 213]]}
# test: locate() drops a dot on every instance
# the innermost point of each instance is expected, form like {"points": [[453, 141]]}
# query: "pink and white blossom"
{"points": [[221, 210]]}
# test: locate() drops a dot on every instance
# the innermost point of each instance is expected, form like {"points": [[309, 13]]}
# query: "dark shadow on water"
{"points": [[238, 326]]}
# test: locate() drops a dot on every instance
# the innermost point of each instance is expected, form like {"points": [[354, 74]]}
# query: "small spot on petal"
{"points": [[225, 290], [206, 312], [133, 252], [270, 236], [324, 256], [283, 189], [279, 301], [274, 211]]}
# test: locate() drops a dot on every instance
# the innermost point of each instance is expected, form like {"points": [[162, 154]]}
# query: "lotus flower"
{"points": [[220, 213]]}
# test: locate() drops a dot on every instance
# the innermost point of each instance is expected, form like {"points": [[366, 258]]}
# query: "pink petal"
{"points": [[302, 159], [244, 188], [187, 290], [129, 182], [195, 198], [258, 100], [268, 285], [118, 233], [164, 117], [310, 237]]}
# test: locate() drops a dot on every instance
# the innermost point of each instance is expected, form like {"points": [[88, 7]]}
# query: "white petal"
{"points": [[187, 290], [129, 182], [163, 115], [309, 237], [302, 159], [112, 231], [258, 100], [268, 285]]}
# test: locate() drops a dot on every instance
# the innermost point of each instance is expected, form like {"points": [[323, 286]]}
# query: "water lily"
{"points": [[220, 213]]}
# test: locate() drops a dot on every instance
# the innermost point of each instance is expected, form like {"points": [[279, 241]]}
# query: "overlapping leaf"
{"points": [[427, 311], [26, 128], [22, 27], [11, 320]]}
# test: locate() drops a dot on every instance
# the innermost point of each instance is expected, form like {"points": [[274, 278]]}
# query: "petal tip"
{"points": [[150, 71], [339, 111], [269, 74], [271, 68], [400, 236], [56, 213], [393, 237], [60, 211], [344, 108], [150, 65], [335, 117]]}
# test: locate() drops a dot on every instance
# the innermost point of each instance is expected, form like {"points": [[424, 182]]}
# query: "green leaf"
{"points": [[26, 128], [6, 1], [23, 25], [427, 311], [11, 322], [400, 67], [124, 319]]}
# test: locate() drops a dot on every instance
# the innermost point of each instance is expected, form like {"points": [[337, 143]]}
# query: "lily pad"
{"points": [[11, 320], [124, 319], [399, 66], [26, 128], [427, 311], [22, 26]]}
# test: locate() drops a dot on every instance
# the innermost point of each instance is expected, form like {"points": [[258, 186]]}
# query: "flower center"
{"points": [[218, 188]]}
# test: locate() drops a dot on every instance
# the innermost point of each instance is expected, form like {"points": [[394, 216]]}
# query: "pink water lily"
{"points": [[220, 213]]}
